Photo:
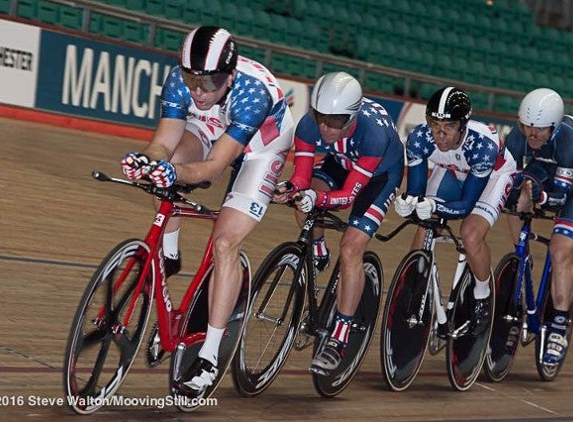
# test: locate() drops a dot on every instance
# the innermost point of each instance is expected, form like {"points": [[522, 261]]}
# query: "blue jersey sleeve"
{"points": [[251, 104], [175, 96]]}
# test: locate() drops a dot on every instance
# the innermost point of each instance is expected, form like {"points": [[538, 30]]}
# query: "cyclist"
{"points": [[217, 109], [471, 177], [362, 167], [542, 144]]}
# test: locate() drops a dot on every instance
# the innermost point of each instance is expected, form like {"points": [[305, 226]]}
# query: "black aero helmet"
{"points": [[207, 50], [450, 103]]}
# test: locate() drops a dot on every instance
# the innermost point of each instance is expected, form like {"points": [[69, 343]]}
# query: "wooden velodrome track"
{"points": [[57, 224]]}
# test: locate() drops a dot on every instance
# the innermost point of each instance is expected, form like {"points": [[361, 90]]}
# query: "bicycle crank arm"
{"points": [[462, 331]]}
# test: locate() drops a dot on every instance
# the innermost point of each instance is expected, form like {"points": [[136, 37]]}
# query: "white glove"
{"points": [[405, 206], [307, 201], [425, 208]]}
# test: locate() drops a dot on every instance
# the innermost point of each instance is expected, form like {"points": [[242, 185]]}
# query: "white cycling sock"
{"points": [[481, 289], [171, 244], [210, 349]]}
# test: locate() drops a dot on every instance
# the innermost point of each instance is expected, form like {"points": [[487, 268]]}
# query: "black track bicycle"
{"points": [[415, 319], [288, 310]]}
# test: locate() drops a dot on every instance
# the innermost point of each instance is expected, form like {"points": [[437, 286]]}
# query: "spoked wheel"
{"points": [[546, 372], [407, 320], [105, 337], [466, 351], [507, 320], [361, 331], [194, 330], [273, 320]]}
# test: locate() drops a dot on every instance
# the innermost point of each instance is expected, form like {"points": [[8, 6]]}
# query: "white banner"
{"points": [[19, 51]]}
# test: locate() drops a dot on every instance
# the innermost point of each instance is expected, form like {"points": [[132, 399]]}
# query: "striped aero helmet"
{"points": [[207, 50]]}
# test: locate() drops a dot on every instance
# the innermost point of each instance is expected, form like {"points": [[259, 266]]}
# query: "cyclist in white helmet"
{"points": [[211, 119], [542, 144], [362, 168]]}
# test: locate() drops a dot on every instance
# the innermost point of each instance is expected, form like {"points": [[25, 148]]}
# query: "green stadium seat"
{"points": [[71, 17], [174, 9], [168, 39], [228, 17], [135, 32], [135, 5], [155, 7], [278, 29], [5, 6], [27, 9], [244, 22], [261, 24], [48, 12], [211, 12], [112, 27], [192, 12]]}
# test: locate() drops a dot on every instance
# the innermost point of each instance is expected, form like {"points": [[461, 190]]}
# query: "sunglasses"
{"points": [[334, 121], [207, 83]]}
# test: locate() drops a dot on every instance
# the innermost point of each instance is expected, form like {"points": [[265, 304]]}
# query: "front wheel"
{"points": [[273, 319], [507, 320], [361, 331], [407, 320], [108, 327], [466, 351]]}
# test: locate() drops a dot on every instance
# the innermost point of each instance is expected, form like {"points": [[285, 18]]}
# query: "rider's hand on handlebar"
{"points": [[525, 201], [134, 165], [162, 174], [283, 192], [425, 208], [405, 205], [307, 200]]}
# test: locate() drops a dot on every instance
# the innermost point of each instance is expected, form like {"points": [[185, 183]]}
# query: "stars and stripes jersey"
{"points": [[479, 156], [254, 111], [551, 165], [372, 147]]}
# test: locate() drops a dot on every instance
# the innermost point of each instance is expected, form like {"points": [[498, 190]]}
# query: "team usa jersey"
{"points": [[479, 156], [254, 111], [372, 147], [551, 166]]}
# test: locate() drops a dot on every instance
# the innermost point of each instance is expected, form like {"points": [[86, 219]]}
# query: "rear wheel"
{"points": [[195, 324], [361, 331], [407, 320], [273, 319], [466, 351], [507, 320]]}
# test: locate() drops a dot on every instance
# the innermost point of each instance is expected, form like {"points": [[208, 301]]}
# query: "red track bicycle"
{"points": [[111, 318]]}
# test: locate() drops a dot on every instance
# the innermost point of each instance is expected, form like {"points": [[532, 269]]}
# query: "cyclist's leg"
{"points": [[561, 248], [243, 208], [369, 209], [474, 230], [349, 292], [327, 175], [189, 149]]}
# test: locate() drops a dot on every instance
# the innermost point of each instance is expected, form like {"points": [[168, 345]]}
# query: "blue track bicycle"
{"points": [[521, 316]]}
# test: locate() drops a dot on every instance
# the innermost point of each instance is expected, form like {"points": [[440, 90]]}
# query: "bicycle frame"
{"points": [[532, 303], [170, 320]]}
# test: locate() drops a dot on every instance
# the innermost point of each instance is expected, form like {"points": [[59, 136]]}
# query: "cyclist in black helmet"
{"points": [[217, 109], [470, 180]]}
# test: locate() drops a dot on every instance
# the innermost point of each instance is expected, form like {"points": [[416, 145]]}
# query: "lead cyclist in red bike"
{"points": [[217, 109]]}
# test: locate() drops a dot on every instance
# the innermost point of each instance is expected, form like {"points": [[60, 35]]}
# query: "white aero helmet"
{"points": [[336, 99], [542, 107]]}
